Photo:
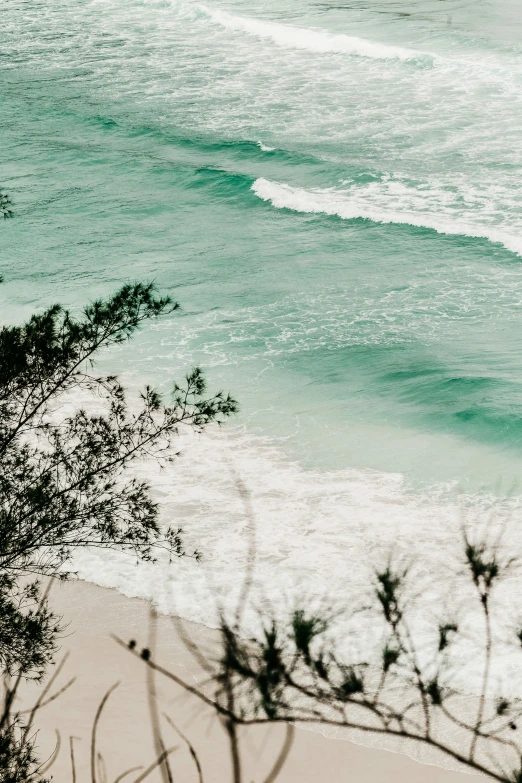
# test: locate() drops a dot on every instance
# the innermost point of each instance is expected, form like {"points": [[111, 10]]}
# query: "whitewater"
{"points": [[376, 204], [333, 196]]}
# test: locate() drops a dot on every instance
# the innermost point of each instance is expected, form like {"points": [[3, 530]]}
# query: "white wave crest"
{"points": [[313, 40], [390, 202], [264, 147]]}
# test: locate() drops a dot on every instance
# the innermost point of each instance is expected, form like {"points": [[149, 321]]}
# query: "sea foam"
{"points": [[388, 204], [294, 37], [265, 147], [318, 534]]}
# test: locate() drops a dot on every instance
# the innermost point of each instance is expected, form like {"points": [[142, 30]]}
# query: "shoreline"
{"points": [[92, 614]]}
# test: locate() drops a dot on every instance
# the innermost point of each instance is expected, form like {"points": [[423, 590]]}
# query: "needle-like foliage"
{"points": [[5, 206], [64, 481], [299, 670], [65, 478]]}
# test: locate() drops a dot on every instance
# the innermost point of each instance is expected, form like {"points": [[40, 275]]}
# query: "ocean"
{"points": [[331, 190]]}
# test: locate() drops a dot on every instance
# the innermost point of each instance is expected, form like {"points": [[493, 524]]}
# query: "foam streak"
{"points": [[351, 204], [293, 37]]}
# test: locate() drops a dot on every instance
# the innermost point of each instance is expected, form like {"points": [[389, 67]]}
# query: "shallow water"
{"points": [[332, 192]]}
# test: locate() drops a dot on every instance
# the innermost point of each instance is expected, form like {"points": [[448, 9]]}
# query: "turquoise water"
{"points": [[332, 192]]}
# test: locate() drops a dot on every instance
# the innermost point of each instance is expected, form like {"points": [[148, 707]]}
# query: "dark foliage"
{"points": [[64, 477], [294, 671], [5, 206], [18, 761], [28, 630], [64, 481]]}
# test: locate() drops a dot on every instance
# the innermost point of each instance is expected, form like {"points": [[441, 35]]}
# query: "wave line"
{"points": [[347, 206], [294, 37]]}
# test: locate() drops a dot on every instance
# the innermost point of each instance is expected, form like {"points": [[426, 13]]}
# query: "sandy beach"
{"points": [[125, 738]]}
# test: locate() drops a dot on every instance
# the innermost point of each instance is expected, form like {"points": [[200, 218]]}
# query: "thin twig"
{"points": [[251, 557], [101, 768], [173, 677], [283, 755], [487, 667], [54, 755], [73, 764], [49, 685], [189, 745], [315, 719], [159, 745], [161, 758], [230, 726], [127, 772], [94, 729], [192, 647], [42, 704]]}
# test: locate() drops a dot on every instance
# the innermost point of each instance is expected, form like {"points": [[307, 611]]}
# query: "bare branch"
{"points": [[161, 758], [283, 754], [127, 772], [95, 728], [189, 745], [73, 763]]}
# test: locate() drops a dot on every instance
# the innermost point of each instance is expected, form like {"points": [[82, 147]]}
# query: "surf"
{"points": [[293, 37], [351, 204]]}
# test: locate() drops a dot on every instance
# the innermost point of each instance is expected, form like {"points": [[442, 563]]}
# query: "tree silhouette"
{"points": [[64, 476]]}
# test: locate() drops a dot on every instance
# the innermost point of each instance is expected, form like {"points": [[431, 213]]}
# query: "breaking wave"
{"points": [[293, 37], [376, 203]]}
